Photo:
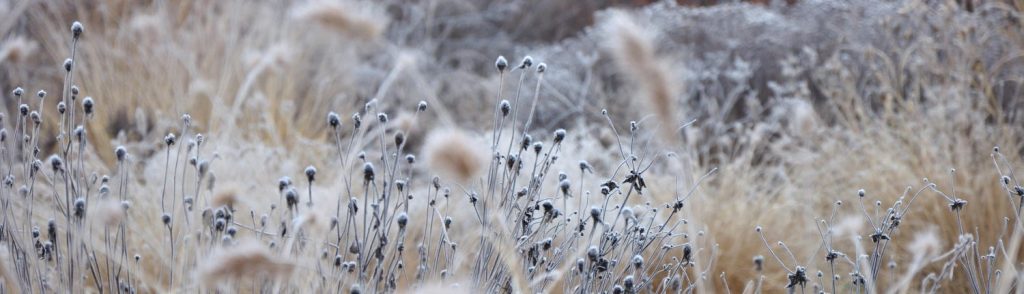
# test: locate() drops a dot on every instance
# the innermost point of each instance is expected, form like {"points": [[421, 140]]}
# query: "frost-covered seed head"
{"points": [[77, 29], [310, 173], [501, 64], [333, 120]]}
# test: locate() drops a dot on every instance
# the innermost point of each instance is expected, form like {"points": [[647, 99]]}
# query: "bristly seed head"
{"points": [[860, 193], [542, 67], [505, 107], [501, 64], [67, 64], [87, 105], [402, 219], [333, 120], [422, 106], [41, 94], [169, 139], [382, 117], [527, 62], [310, 173], [121, 153], [18, 92], [61, 107], [368, 172], [77, 29], [23, 109], [559, 135]]}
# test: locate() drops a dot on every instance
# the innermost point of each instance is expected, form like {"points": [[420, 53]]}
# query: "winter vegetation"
{"points": [[528, 146]]}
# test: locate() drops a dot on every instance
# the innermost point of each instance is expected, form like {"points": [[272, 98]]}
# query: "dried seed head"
{"points": [[409, 158], [77, 29], [56, 163], [559, 135], [283, 183], [36, 118], [87, 105], [333, 120], [121, 153], [537, 147], [79, 207], [422, 106], [41, 94], [399, 138], [860, 193], [402, 219], [542, 67], [448, 222], [527, 62], [505, 107], [166, 219], [18, 92], [595, 213], [67, 64], [310, 173], [592, 253], [74, 91], [61, 108], [638, 261], [382, 117], [501, 64], [169, 139], [357, 120], [23, 109], [368, 172]]}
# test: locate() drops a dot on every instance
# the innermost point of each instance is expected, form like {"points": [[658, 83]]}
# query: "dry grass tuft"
{"points": [[632, 47], [17, 49], [455, 154], [246, 260], [345, 18]]}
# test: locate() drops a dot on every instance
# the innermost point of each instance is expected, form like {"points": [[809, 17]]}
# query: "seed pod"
{"points": [[310, 173], [333, 120], [87, 105], [501, 64], [77, 29]]}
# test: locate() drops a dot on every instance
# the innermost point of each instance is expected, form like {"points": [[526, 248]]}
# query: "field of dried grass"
{"points": [[511, 146]]}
